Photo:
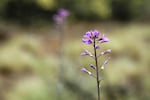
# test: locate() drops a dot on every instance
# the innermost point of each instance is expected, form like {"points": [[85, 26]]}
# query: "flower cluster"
{"points": [[90, 36], [94, 37], [61, 15]]}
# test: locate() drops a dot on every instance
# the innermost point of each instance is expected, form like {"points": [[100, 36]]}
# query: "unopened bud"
{"points": [[92, 66], [106, 52], [104, 64], [86, 71]]}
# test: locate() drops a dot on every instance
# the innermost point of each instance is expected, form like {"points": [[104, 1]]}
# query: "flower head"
{"points": [[95, 34], [63, 12], [89, 36], [61, 15]]}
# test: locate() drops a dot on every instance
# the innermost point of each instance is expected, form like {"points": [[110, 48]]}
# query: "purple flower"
{"points": [[95, 34], [89, 36], [103, 39], [60, 17], [86, 71], [63, 12], [92, 34]]}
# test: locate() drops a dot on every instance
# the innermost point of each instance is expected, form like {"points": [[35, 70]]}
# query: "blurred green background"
{"points": [[34, 65]]}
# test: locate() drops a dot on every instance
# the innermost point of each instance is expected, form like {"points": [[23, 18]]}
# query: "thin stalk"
{"points": [[61, 58], [97, 71], [61, 52]]}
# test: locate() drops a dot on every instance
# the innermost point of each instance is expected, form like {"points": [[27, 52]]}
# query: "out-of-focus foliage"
{"points": [[3, 4], [130, 9], [32, 88], [36, 10], [92, 9], [46, 4]]}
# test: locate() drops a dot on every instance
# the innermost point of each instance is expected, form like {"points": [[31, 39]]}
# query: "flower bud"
{"points": [[92, 66], [106, 52], [86, 71]]}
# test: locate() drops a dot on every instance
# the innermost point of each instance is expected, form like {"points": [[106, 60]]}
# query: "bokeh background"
{"points": [[40, 62]]}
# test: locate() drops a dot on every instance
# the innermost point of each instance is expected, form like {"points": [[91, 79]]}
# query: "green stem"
{"points": [[97, 71]]}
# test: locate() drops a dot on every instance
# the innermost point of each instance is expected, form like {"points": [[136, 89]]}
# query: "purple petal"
{"points": [[103, 39], [87, 34], [87, 41], [95, 33]]}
